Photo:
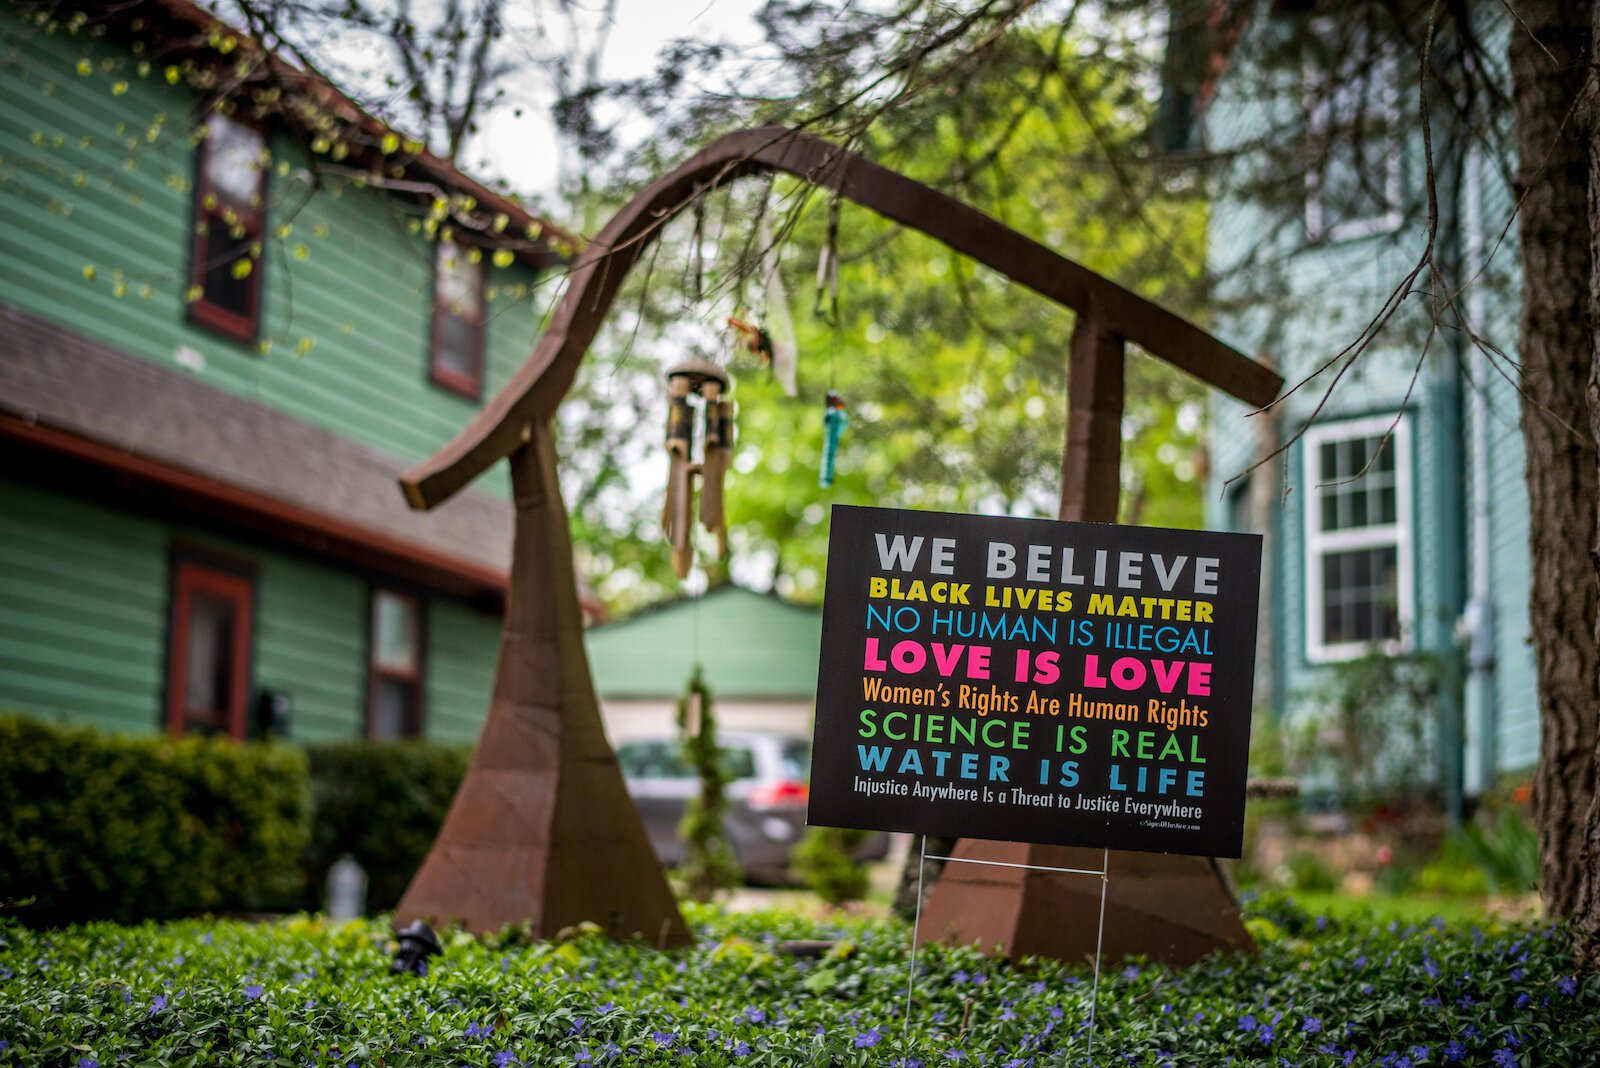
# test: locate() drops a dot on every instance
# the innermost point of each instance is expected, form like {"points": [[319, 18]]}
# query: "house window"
{"points": [[394, 682], [229, 211], [1358, 542], [1352, 133], [208, 662], [456, 359]]}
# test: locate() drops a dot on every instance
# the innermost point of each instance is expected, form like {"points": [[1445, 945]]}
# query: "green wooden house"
{"points": [[1396, 522], [232, 307]]}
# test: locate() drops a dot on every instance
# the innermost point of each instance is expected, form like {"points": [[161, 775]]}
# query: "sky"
{"points": [[520, 149]]}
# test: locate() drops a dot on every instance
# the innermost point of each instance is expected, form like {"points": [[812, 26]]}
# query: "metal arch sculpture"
{"points": [[542, 829]]}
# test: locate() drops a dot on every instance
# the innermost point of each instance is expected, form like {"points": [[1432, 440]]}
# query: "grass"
{"points": [[1381, 908], [1324, 990]]}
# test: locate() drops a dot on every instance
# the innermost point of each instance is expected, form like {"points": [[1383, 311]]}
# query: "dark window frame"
{"points": [[417, 680], [199, 572], [205, 313], [464, 385]]}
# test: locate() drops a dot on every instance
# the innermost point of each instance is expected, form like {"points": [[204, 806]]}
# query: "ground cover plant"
{"points": [[303, 991]]}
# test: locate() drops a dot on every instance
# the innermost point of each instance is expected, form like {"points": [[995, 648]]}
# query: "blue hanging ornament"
{"points": [[834, 421]]}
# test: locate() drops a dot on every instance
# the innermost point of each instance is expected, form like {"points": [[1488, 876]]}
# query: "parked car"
{"points": [[767, 796]]}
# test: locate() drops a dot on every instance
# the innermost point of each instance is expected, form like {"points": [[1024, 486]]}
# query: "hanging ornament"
{"points": [[778, 320], [834, 421], [709, 383], [752, 337]]}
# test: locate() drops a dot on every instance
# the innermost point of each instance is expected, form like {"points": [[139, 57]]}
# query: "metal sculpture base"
{"points": [[1015, 900], [542, 830]]}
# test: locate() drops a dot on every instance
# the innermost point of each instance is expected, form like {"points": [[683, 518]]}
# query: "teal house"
{"points": [[1394, 506], [232, 307]]}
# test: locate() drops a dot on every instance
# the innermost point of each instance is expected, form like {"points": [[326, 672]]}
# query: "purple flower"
{"points": [[1504, 1058], [664, 1039], [741, 1049], [754, 1015], [1453, 1051], [5, 973], [1266, 1034], [1567, 985], [1247, 1022], [870, 1037], [502, 1058], [88, 1062], [252, 991], [1312, 1026], [1131, 972], [158, 1003]]}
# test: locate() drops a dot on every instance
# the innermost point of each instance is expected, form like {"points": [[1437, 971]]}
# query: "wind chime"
{"points": [[711, 422]]}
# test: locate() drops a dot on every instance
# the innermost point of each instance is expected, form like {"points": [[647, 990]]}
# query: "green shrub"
{"points": [[381, 802], [825, 860], [1307, 871], [101, 826]]}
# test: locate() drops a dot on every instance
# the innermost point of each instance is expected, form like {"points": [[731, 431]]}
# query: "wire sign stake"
{"points": [[1104, 872]]}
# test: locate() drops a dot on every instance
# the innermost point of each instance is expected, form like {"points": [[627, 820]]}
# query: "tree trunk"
{"points": [[1586, 914], [1547, 57]]}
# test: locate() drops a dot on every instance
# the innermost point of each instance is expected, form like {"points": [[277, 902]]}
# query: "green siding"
{"points": [[751, 644], [84, 604], [310, 643], [83, 611], [463, 648], [81, 185]]}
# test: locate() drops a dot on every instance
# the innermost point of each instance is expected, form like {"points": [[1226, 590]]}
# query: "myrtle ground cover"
{"points": [[305, 992]]}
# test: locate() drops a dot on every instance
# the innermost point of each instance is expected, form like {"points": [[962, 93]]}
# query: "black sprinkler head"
{"points": [[417, 944]]}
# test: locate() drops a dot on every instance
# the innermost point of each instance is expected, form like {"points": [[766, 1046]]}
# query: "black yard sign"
{"points": [[1034, 681]]}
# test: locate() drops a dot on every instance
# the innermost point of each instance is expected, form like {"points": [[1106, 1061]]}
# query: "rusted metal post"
{"points": [[1091, 463], [542, 830], [1170, 908]]}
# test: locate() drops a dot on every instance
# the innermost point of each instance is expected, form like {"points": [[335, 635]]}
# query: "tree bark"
{"points": [[1586, 912], [1548, 53]]}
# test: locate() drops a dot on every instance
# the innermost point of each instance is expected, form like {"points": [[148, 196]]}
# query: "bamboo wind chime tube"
{"points": [[708, 382], [675, 515]]}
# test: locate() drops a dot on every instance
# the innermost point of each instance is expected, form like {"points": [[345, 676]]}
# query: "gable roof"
{"points": [[752, 646]]}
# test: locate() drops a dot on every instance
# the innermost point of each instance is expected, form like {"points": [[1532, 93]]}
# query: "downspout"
{"points": [[1446, 563], [1476, 627]]}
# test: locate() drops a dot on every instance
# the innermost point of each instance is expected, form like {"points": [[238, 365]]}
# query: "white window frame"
{"points": [[1319, 107], [1318, 543]]}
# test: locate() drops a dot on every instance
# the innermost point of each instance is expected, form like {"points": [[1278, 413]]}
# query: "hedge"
{"points": [[381, 802], [98, 826], [101, 826]]}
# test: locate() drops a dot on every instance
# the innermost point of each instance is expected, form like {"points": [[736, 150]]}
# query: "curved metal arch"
{"points": [[532, 395]]}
